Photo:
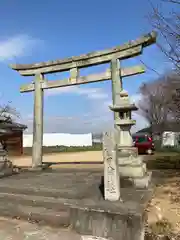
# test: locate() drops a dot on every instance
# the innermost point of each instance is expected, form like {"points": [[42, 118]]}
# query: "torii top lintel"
{"points": [[130, 49]]}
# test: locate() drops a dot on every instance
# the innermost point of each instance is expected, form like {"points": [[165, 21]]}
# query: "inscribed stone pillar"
{"points": [[111, 169]]}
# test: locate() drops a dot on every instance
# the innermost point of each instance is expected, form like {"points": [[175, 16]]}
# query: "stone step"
{"points": [[46, 192], [57, 204], [6, 172], [66, 193], [42, 196], [78, 191], [40, 215], [132, 171]]}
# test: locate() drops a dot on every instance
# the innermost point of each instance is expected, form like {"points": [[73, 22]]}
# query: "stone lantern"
{"points": [[131, 165], [124, 122]]}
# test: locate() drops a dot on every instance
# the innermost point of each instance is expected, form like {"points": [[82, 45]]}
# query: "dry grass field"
{"points": [[91, 156]]}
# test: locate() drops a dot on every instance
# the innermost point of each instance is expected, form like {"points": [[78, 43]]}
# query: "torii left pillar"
{"points": [[38, 123]]}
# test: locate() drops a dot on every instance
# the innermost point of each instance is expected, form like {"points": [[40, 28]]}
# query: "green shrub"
{"points": [[169, 149], [164, 162], [160, 148], [157, 144]]}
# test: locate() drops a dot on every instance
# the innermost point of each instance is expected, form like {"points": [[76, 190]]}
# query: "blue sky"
{"points": [[33, 31]]}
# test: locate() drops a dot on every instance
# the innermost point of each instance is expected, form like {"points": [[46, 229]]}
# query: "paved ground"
{"points": [[11, 229]]}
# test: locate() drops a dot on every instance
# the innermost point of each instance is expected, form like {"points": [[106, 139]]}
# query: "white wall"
{"points": [[170, 139], [60, 139]]}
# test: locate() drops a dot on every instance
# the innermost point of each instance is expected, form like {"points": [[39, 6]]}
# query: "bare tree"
{"points": [[153, 104], [160, 102], [167, 24], [172, 92], [7, 112]]}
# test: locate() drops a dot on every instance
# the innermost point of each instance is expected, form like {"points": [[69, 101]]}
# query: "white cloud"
{"points": [[92, 93], [16, 46], [99, 119]]}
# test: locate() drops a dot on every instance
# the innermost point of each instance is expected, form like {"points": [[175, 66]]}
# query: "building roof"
{"points": [[8, 126], [159, 128], [13, 125]]}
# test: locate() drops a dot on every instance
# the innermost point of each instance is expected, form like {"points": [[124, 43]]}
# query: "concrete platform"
{"points": [[109, 220], [45, 197]]}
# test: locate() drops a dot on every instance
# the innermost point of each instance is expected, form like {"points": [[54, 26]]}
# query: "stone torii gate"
{"points": [[73, 64]]}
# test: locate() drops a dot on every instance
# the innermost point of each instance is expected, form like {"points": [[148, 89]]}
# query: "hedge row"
{"points": [[164, 162], [63, 149], [169, 149], [160, 148]]}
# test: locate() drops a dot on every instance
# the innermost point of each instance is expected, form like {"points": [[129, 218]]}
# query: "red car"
{"points": [[144, 143]]}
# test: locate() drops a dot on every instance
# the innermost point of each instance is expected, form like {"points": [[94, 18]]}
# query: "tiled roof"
{"points": [[11, 125], [170, 126]]}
